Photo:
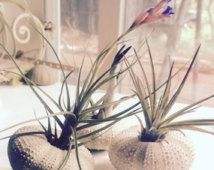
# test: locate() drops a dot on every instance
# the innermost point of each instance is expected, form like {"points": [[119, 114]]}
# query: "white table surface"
{"points": [[18, 104]]}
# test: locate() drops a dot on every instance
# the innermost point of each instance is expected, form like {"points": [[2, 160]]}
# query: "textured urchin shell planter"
{"points": [[103, 139], [44, 75], [174, 151], [35, 152]]}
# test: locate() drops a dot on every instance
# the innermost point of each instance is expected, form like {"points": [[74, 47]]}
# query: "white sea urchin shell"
{"points": [[44, 75], [102, 139], [35, 152], [175, 151]]}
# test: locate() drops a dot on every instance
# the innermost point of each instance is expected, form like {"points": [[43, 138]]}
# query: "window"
{"points": [[79, 27], [82, 28], [179, 37], [79, 31], [86, 27], [92, 24]]}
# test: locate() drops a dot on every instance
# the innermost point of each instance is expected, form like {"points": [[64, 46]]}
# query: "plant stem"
{"points": [[70, 122]]}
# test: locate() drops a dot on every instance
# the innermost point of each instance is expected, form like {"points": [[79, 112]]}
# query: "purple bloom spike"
{"points": [[161, 10]]}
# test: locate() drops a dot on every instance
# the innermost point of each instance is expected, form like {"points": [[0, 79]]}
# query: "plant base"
{"points": [[174, 151], [35, 152]]}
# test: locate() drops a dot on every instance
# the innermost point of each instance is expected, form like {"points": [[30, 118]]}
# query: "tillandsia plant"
{"points": [[161, 143], [104, 140], [36, 147], [160, 11]]}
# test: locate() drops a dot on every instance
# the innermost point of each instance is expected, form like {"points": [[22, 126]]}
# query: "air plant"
{"points": [[104, 140], [77, 116], [82, 114], [160, 11], [156, 109], [161, 143]]}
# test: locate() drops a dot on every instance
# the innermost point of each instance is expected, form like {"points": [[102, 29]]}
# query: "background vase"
{"points": [[104, 139], [43, 75]]}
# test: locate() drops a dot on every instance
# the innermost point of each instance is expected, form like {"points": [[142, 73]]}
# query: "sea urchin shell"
{"points": [[35, 152], [174, 151]]}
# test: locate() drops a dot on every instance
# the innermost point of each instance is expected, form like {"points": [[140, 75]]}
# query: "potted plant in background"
{"points": [[161, 143]]}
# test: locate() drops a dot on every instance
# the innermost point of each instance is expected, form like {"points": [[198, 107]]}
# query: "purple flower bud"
{"points": [[168, 11], [120, 54], [150, 9]]}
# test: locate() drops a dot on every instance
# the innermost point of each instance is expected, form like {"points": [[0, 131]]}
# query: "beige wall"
{"points": [[108, 21], [12, 12], [37, 8]]}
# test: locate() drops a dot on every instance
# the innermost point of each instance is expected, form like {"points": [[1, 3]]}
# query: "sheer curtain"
{"points": [[179, 38], [79, 27]]}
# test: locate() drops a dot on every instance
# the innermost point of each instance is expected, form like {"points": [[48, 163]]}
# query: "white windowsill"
{"points": [[18, 103]]}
